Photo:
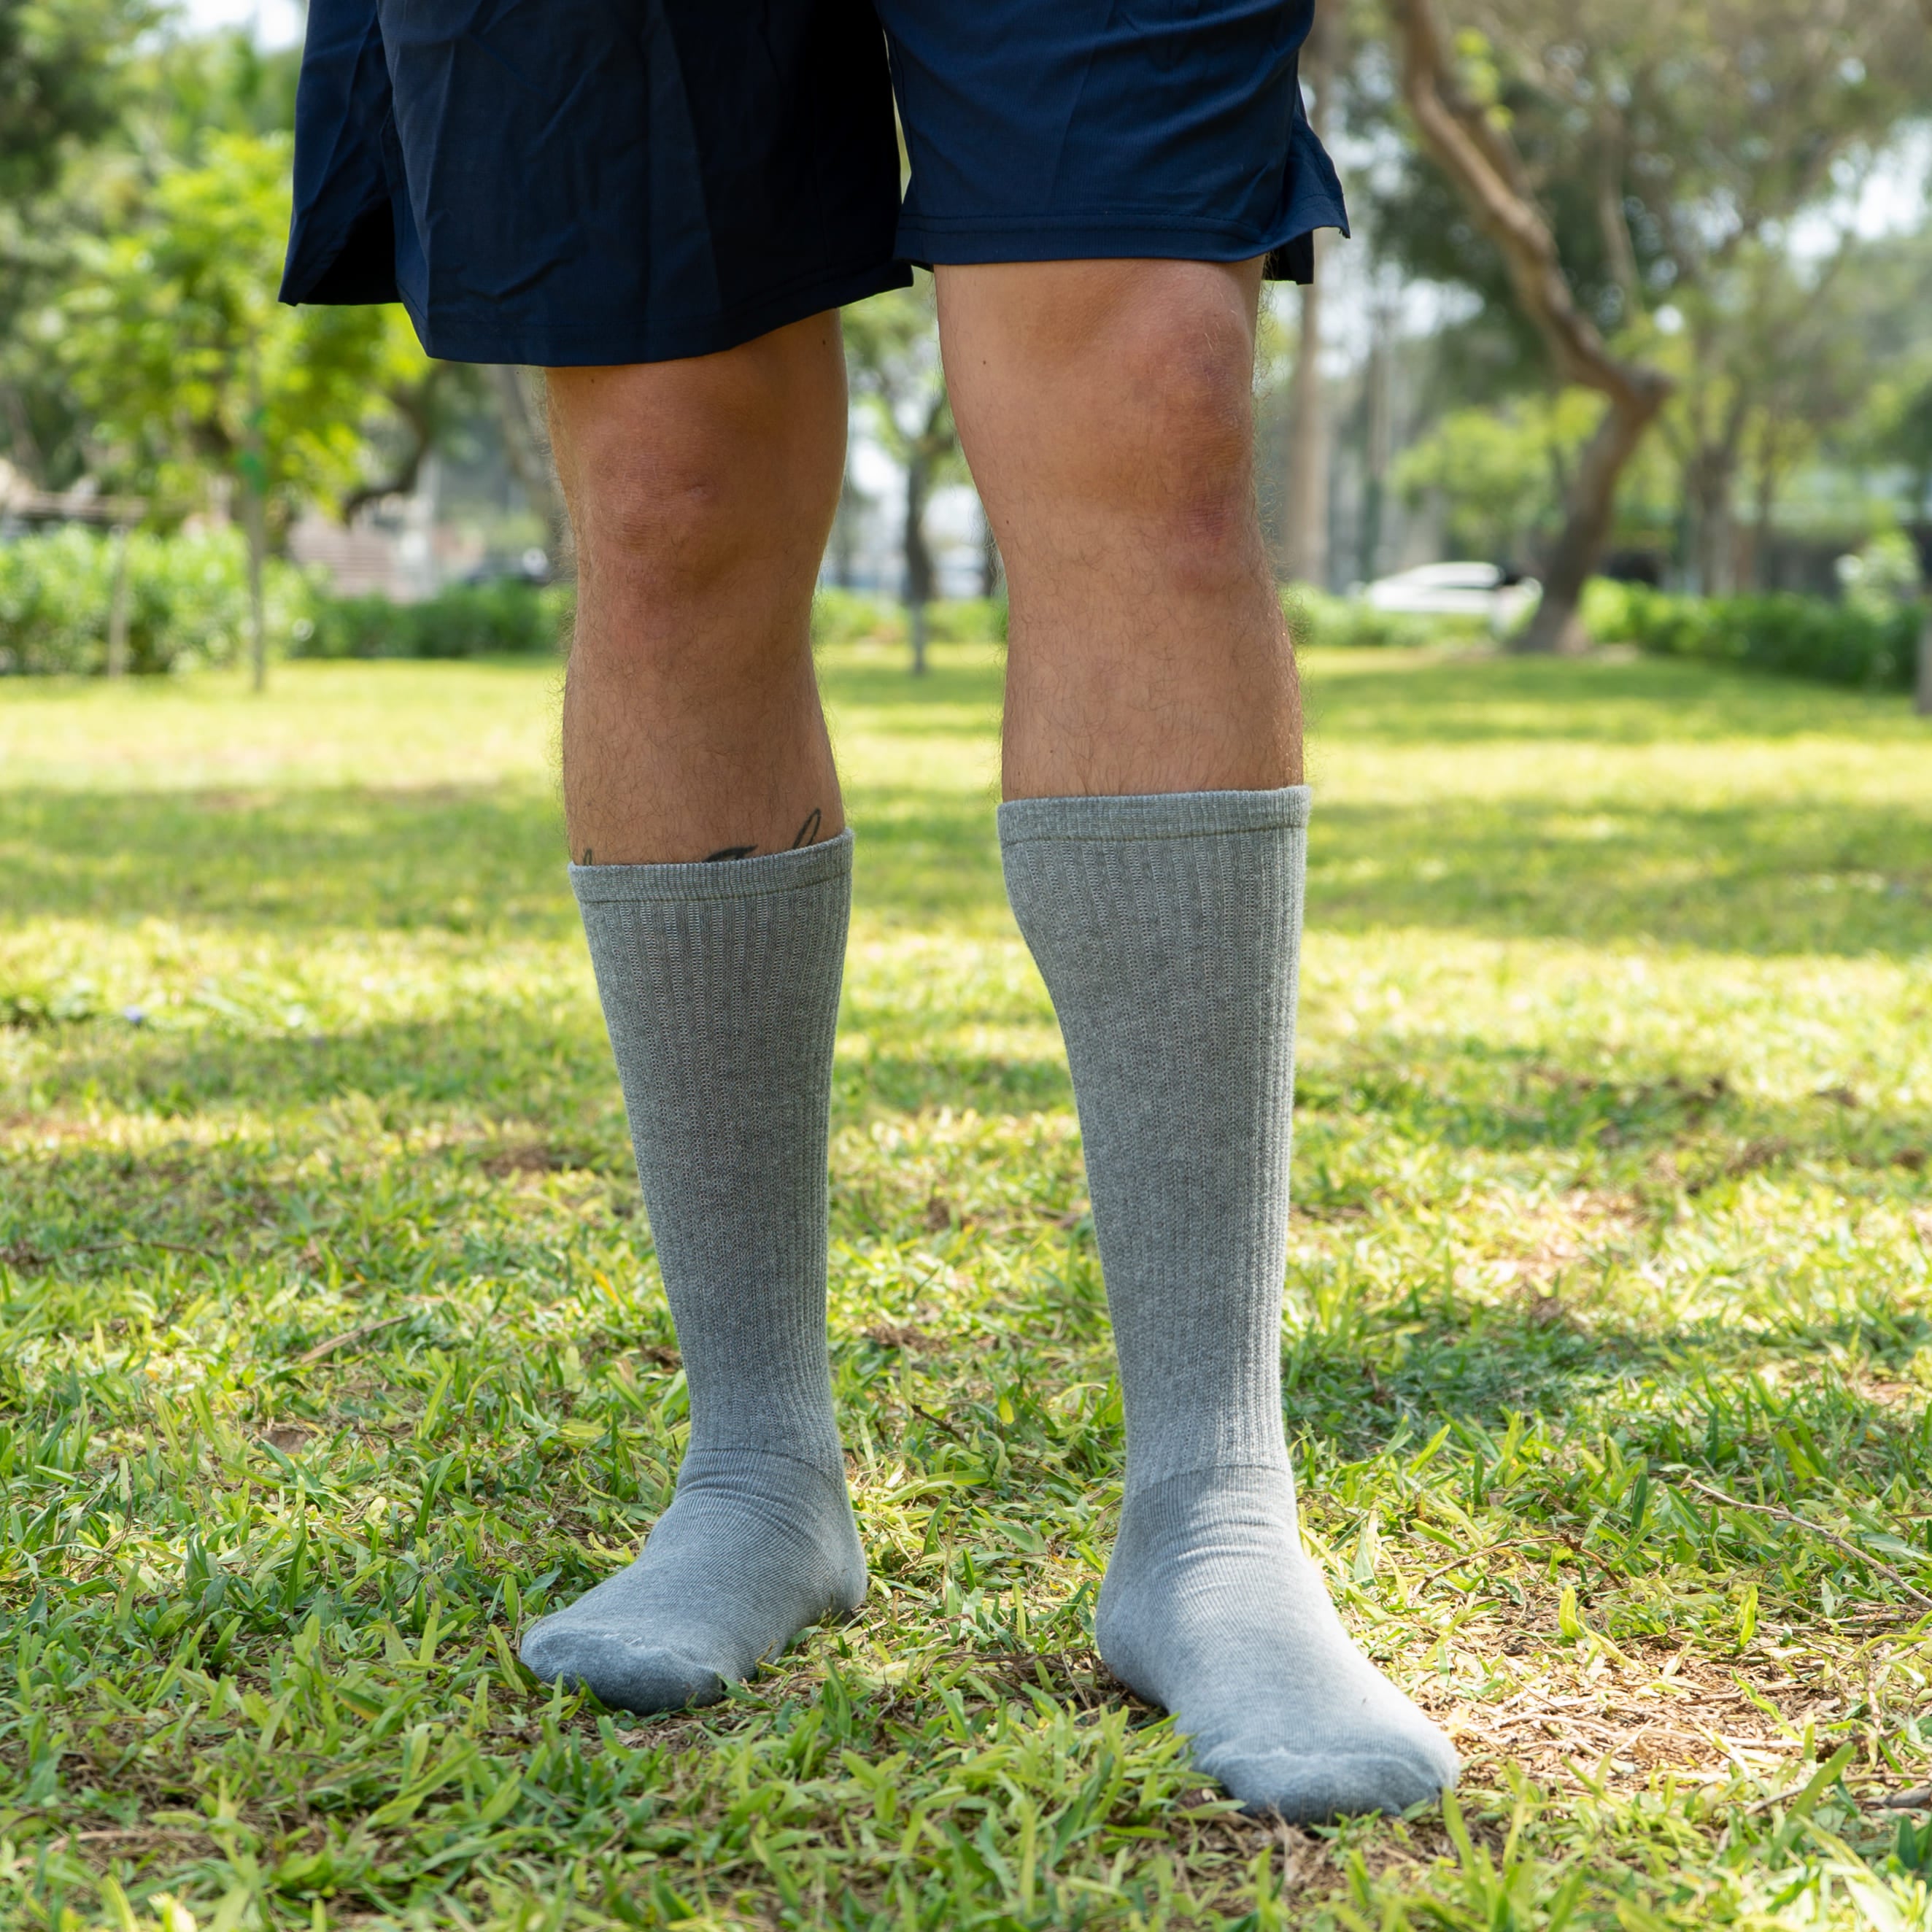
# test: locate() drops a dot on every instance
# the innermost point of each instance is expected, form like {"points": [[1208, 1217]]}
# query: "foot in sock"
{"points": [[755, 1548], [720, 987], [1211, 1610], [1168, 928]]}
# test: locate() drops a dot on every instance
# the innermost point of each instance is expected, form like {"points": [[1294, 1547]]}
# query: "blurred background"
{"points": [[1718, 442]]}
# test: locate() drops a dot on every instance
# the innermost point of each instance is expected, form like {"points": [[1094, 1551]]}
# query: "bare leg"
{"points": [[1105, 408], [1154, 840], [702, 493]]}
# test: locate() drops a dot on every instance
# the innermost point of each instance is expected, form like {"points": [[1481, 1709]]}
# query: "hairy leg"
{"points": [[1153, 838], [1105, 408], [702, 493]]}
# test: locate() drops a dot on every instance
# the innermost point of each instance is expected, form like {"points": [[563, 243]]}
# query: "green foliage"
{"points": [[61, 73], [857, 616], [464, 621], [187, 601], [174, 339], [1315, 619], [1501, 472], [333, 1347], [1872, 644]]}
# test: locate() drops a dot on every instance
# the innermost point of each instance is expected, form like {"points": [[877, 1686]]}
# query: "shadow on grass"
{"points": [[487, 1063], [488, 862], [1749, 878], [1453, 1091], [1759, 880], [1428, 698], [1690, 1392]]}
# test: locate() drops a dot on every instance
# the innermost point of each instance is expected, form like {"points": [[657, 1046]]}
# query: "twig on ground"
{"points": [[136, 1241], [1918, 1798], [1831, 1537], [342, 1340], [1569, 1543], [938, 1421]]}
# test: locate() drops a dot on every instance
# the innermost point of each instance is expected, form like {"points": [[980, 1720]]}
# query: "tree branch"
{"points": [[1482, 161]]}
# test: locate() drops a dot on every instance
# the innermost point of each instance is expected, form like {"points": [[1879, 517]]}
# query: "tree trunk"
{"points": [[1923, 699], [1587, 510], [1377, 438], [258, 622], [990, 566], [526, 432], [254, 501], [1714, 532], [117, 606], [918, 559], [1304, 544], [1477, 155]]}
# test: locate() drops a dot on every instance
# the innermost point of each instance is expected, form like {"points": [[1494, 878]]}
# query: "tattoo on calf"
{"points": [[586, 859], [807, 832]]}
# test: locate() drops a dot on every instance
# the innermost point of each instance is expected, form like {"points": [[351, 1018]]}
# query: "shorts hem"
{"points": [[604, 345], [928, 240]]}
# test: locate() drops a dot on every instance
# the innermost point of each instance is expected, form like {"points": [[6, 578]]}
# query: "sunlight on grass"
{"points": [[331, 1348]]}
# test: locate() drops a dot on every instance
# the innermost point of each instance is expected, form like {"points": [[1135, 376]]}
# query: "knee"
{"points": [[1187, 368], [681, 517], [1169, 436], [681, 476], [674, 501]]}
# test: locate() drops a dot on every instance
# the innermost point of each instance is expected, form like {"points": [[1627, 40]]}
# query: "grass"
{"points": [[331, 1348]]}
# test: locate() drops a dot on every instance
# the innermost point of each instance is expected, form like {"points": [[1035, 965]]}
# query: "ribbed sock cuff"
{"points": [[716, 879], [1177, 815]]}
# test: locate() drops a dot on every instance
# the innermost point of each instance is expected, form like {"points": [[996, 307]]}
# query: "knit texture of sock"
{"points": [[1168, 930], [720, 989]]}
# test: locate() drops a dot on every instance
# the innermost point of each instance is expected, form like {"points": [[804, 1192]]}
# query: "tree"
{"points": [[1470, 141], [1611, 156], [1304, 548], [199, 383], [61, 70], [516, 396], [66, 76], [1768, 361], [892, 349], [1502, 473]]}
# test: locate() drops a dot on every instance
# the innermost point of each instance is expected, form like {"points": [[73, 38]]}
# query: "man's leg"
{"points": [[714, 877], [1154, 841], [702, 493], [1105, 408]]}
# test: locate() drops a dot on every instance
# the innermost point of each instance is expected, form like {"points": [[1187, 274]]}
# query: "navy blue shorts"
{"points": [[558, 181]]}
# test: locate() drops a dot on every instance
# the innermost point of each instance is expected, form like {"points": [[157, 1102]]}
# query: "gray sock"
{"points": [[720, 987], [1168, 928]]}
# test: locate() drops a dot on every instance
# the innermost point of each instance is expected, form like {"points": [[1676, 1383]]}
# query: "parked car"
{"points": [[1483, 590]]}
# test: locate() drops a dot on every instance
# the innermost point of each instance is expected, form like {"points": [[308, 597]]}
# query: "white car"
{"points": [[1456, 590]]}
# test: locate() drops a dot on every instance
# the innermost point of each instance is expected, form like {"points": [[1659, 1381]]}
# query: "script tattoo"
{"points": [[586, 859], [730, 852], [809, 831]]}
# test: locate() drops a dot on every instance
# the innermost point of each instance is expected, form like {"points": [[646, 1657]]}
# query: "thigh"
{"points": [[1086, 128], [595, 182]]}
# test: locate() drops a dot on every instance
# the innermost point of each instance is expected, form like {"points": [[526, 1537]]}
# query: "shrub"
{"points": [[1872, 646], [855, 617], [858, 617], [1315, 617], [187, 601], [464, 621]]}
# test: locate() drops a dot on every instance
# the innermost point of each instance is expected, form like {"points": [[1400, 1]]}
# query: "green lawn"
{"points": [[331, 1348]]}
